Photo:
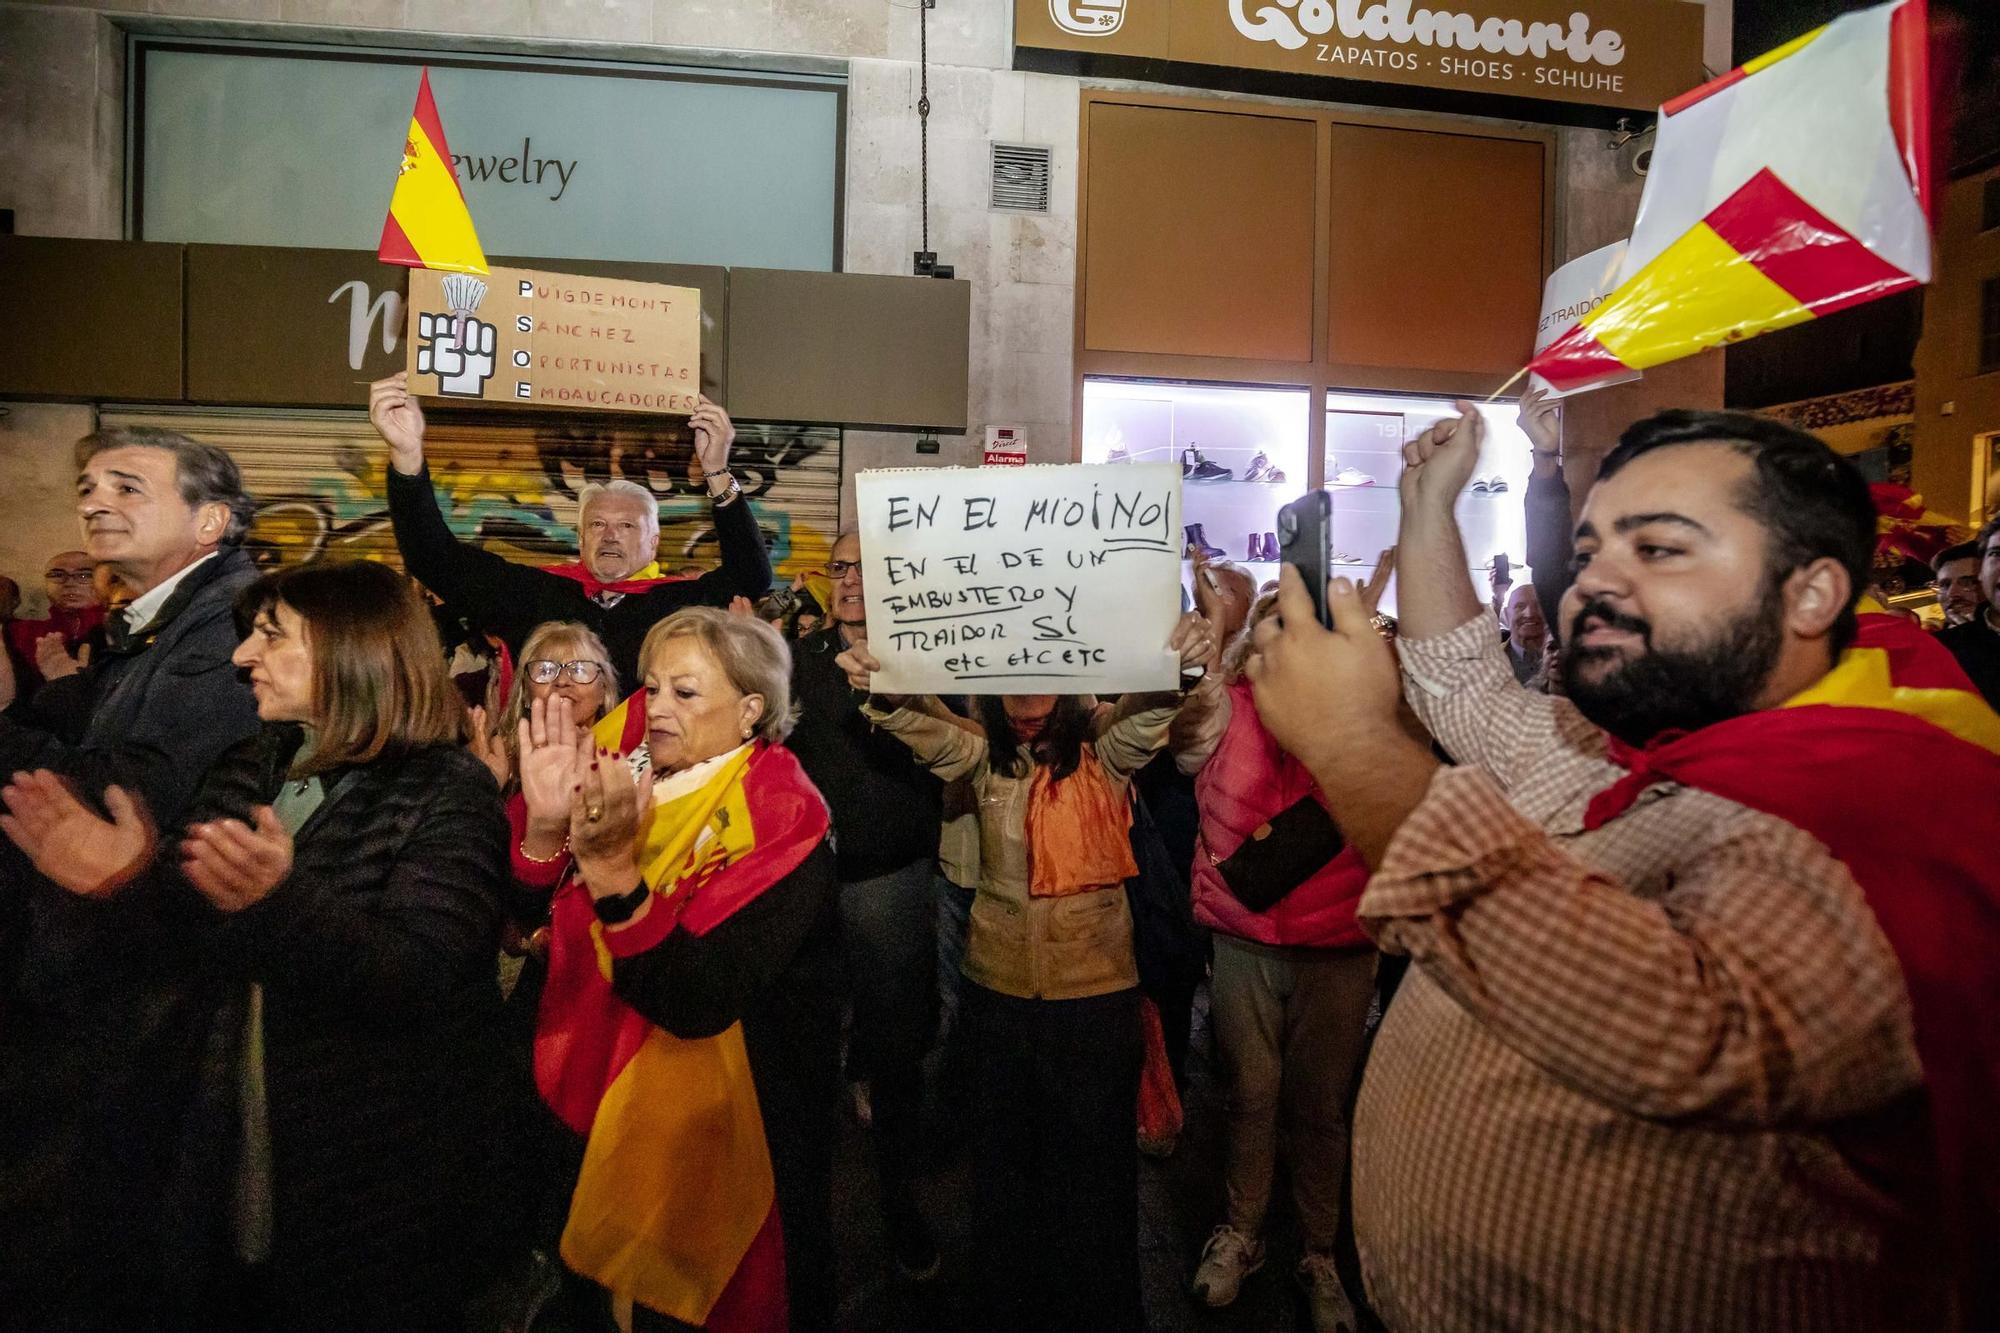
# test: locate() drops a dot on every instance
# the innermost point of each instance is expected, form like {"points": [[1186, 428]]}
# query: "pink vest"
{"points": [[1245, 782]]}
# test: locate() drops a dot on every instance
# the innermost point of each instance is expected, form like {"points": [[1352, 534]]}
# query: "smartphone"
{"points": [[1502, 571], [1303, 528]]}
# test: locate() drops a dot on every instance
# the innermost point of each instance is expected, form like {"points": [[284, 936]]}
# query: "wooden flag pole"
{"points": [[1512, 380]]}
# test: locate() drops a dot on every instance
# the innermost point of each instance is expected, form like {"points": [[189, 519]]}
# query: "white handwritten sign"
{"points": [[1573, 291], [1031, 580]]}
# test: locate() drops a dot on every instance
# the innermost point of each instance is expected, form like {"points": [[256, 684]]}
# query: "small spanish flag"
{"points": [[428, 225]]}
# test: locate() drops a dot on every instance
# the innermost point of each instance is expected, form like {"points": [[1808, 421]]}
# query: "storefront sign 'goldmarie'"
{"points": [[1395, 21], [1600, 53]]}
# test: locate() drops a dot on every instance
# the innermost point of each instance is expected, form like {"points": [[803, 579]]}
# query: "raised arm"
{"points": [[1454, 667], [746, 564], [485, 586]]}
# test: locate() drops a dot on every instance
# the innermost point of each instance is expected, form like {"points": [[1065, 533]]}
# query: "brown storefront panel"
{"points": [[860, 349], [1436, 259], [89, 319], [1199, 233], [272, 324], [510, 483]]}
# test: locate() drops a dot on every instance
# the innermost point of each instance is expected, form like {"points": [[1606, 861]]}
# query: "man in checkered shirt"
{"points": [[1654, 1067]]}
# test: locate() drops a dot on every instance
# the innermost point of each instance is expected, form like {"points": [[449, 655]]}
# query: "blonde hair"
{"points": [[752, 655], [543, 643], [1238, 650]]}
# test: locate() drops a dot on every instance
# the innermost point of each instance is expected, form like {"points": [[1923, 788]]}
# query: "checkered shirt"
{"points": [[1632, 1078]]}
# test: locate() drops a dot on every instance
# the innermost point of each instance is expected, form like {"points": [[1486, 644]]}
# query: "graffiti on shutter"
{"points": [[511, 486]]}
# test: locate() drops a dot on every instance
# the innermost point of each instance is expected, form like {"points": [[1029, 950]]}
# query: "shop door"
{"points": [[510, 484]]}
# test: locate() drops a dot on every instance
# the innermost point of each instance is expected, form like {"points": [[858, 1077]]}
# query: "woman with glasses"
{"points": [[340, 885]]}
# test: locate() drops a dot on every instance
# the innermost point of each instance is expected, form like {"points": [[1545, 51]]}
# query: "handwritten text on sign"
{"points": [[1035, 580], [564, 340]]}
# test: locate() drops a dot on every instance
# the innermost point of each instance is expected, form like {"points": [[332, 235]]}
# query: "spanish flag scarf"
{"points": [[639, 580], [1893, 762], [675, 1207]]}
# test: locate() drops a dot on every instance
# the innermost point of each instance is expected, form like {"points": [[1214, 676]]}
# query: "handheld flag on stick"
{"points": [[428, 225], [1793, 187]]}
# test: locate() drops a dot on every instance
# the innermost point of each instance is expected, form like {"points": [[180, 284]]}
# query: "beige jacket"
{"points": [[1065, 948]]}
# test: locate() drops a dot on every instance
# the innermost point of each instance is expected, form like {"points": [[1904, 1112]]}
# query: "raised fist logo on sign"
{"points": [[458, 349]]}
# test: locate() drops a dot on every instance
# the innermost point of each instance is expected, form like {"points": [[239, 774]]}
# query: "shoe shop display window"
{"points": [[1242, 453], [1364, 438]]}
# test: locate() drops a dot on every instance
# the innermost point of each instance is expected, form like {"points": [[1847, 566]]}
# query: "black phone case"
{"points": [[1303, 527], [1301, 841]]}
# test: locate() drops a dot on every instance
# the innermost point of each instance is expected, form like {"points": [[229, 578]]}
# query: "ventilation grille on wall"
{"points": [[1021, 177]]}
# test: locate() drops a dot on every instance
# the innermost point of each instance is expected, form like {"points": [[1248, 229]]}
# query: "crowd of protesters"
{"points": [[1614, 951]]}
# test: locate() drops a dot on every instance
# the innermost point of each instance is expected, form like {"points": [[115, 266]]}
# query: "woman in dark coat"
{"points": [[344, 872]]}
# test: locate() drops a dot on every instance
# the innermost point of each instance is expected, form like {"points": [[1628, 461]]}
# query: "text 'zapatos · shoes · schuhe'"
{"points": [[1196, 468]]}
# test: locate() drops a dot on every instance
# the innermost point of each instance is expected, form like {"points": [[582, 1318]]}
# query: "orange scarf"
{"points": [[1079, 831]]}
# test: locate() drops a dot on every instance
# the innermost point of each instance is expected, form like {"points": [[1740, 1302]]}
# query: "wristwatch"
{"points": [[619, 908], [729, 494]]}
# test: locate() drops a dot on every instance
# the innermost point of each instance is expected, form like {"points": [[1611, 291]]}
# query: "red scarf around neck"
{"points": [[592, 585], [1893, 762]]}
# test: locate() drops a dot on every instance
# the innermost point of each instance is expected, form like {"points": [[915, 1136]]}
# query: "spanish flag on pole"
{"points": [[1793, 187], [428, 225]]}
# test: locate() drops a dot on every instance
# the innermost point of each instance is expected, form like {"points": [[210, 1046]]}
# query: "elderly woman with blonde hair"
{"points": [[690, 1027]]}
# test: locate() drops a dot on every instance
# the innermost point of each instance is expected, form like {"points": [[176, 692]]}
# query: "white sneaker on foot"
{"points": [[1228, 1258], [1332, 1312]]}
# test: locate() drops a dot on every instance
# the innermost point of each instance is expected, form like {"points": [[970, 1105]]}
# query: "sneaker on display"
{"points": [[1196, 468], [1228, 1258], [1332, 1312], [1197, 542], [1118, 454], [1350, 476], [1261, 470], [1481, 486], [1498, 485]]}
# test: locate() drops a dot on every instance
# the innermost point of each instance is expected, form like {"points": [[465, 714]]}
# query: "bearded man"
{"points": [[1688, 1044]]}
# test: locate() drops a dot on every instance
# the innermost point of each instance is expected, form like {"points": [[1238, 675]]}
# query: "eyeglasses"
{"points": [[543, 672], [838, 568], [68, 576]]}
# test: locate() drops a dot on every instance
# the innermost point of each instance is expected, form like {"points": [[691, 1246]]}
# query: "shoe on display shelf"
{"points": [[1481, 486], [1118, 454], [1350, 476], [1227, 1259], [1498, 485], [1196, 468], [1197, 543], [1271, 552], [1261, 470]]}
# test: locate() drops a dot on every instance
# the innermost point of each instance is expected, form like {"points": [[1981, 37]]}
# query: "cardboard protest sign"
{"points": [[1028, 580], [1572, 292], [533, 339]]}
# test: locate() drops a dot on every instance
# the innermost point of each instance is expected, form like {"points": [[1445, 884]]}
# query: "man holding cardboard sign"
{"points": [[616, 589]]}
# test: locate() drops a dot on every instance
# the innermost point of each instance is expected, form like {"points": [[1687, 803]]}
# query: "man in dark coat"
{"points": [[616, 589], [100, 1022]]}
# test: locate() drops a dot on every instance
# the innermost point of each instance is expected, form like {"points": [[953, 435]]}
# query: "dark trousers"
{"points": [[888, 928], [1055, 1160]]}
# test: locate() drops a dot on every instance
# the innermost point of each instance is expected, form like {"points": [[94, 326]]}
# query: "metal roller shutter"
{"points": [[510, 483]]}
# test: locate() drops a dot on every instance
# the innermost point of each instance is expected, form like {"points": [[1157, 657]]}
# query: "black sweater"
{"points": [[886, 806], [510, 600]]}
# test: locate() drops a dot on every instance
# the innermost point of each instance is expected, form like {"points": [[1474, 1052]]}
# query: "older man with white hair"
{"points": [[617, 587]]}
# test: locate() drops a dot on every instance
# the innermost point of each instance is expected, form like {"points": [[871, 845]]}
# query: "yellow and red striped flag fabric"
{"points": [[1788, 189], [428, 224]]}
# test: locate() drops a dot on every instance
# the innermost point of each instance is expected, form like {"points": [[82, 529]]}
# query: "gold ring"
{"points": [[593, 813]]}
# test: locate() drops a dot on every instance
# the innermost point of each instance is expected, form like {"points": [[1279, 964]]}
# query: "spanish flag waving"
{"points": [[428, 225]]}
